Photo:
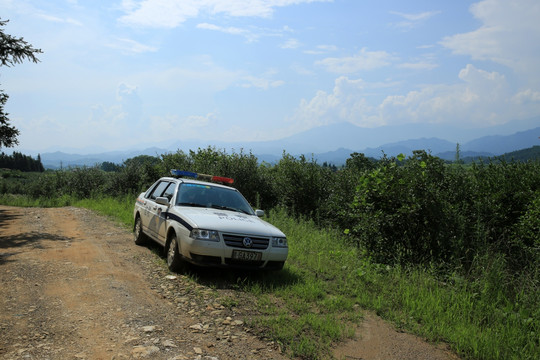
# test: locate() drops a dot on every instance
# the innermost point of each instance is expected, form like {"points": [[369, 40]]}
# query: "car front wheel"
{"points": [[174, 259]]}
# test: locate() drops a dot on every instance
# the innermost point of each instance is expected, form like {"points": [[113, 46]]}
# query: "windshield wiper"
{"points": [[191, 204], [221, 207]]}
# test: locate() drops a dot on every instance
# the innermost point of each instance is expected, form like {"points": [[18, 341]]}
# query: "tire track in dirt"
{"points": [[74, 287]]}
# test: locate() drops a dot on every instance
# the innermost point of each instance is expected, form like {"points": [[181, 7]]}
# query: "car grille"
{"points": [[237, 241]]}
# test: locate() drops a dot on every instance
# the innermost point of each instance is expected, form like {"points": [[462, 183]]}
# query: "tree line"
{"points": [[21, 162]]}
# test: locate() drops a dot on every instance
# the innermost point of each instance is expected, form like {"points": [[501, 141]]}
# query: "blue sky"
{"points": [[130, 73]]}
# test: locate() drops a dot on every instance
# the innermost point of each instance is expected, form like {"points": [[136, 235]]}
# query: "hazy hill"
{"points": [[333, 144], [524, 155], [498, 144]]}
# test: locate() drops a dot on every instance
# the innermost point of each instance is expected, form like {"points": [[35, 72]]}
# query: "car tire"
{"points": [[138, 234], [174, 258]]}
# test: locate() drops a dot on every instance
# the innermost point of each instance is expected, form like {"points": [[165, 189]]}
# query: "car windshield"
{"points": [[202, 195]]}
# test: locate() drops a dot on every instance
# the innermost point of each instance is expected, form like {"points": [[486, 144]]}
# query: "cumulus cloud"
{"points": [[364, 60], [479, 98], [172, 13], [526, 97], [347, 102], [509, 35]]}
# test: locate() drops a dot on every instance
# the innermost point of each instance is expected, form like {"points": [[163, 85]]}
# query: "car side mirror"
{"points": [[259, 213], [162, 201]]}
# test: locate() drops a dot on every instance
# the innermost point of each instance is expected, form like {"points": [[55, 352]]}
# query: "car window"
{"points": [[192, 195], [159, 190], [199, 195], [169, 191]]}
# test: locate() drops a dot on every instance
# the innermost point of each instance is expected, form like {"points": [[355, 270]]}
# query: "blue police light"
{"points": [[175, 172]]}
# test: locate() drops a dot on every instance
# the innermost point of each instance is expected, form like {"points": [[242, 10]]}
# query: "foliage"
{"points": [[427, 242], [398, 212], [12, 51], [422, 211], [523, 155], [299, 184], [19, 161]]}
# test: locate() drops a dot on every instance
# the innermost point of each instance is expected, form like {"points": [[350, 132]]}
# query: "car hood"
{"points": [[226, 221]]}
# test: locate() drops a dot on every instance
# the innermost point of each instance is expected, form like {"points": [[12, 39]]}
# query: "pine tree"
{"points": [[12, 51]]}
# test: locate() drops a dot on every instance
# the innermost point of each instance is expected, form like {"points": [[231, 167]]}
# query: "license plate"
{"points": [[246, 255]]}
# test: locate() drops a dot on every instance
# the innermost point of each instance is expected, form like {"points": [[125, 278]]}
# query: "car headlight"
{"points": [[279, 242], [201, 234]]}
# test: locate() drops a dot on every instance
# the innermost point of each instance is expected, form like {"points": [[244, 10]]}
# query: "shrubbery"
{"points": [[416, 210]]}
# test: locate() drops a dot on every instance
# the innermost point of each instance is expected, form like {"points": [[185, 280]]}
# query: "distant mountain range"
{"points": [[334, 144]]}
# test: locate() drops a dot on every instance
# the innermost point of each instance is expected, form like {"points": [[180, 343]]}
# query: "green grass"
{"points": [[120, 208], [28, 201], [475, 318], [316, 300]]}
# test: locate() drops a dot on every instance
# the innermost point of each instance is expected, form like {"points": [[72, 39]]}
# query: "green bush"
{"points": [[420, 210], [300, 185]]}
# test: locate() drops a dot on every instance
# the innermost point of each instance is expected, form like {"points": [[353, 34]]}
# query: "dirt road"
{"points": [[74, 286]]}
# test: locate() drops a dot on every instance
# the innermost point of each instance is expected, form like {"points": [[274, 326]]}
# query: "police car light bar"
{"points": [[206, 177]]}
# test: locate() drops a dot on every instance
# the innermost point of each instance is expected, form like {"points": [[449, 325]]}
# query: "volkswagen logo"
{"points": [[247, 242]]}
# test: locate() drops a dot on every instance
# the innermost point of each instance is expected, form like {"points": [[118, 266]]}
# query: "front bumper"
{"points": [[218, 254]]}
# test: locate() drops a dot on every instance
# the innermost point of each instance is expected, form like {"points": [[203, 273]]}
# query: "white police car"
{"points": [[206, 224]]}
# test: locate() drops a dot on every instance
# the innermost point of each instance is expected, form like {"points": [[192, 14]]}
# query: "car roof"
{"points": [[193, 181]]}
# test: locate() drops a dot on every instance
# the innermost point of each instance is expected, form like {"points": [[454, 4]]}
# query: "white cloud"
{"points": [[291, 44], [480, 98], [321, 49], [526, 97], [158, 13], [131, 46], [422, 65], [413, 20], [347, 102], [328, 48], [172, 13], [249, 35], [57, 19], [509, 35], [364, 60], [227, 30], [260, 82]]}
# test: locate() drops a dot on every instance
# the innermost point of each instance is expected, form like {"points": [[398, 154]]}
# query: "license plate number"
{"points": [[246, 255]]}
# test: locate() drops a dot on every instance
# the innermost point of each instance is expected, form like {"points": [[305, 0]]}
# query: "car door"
{"points": [[161, 225], [154, 210]]}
